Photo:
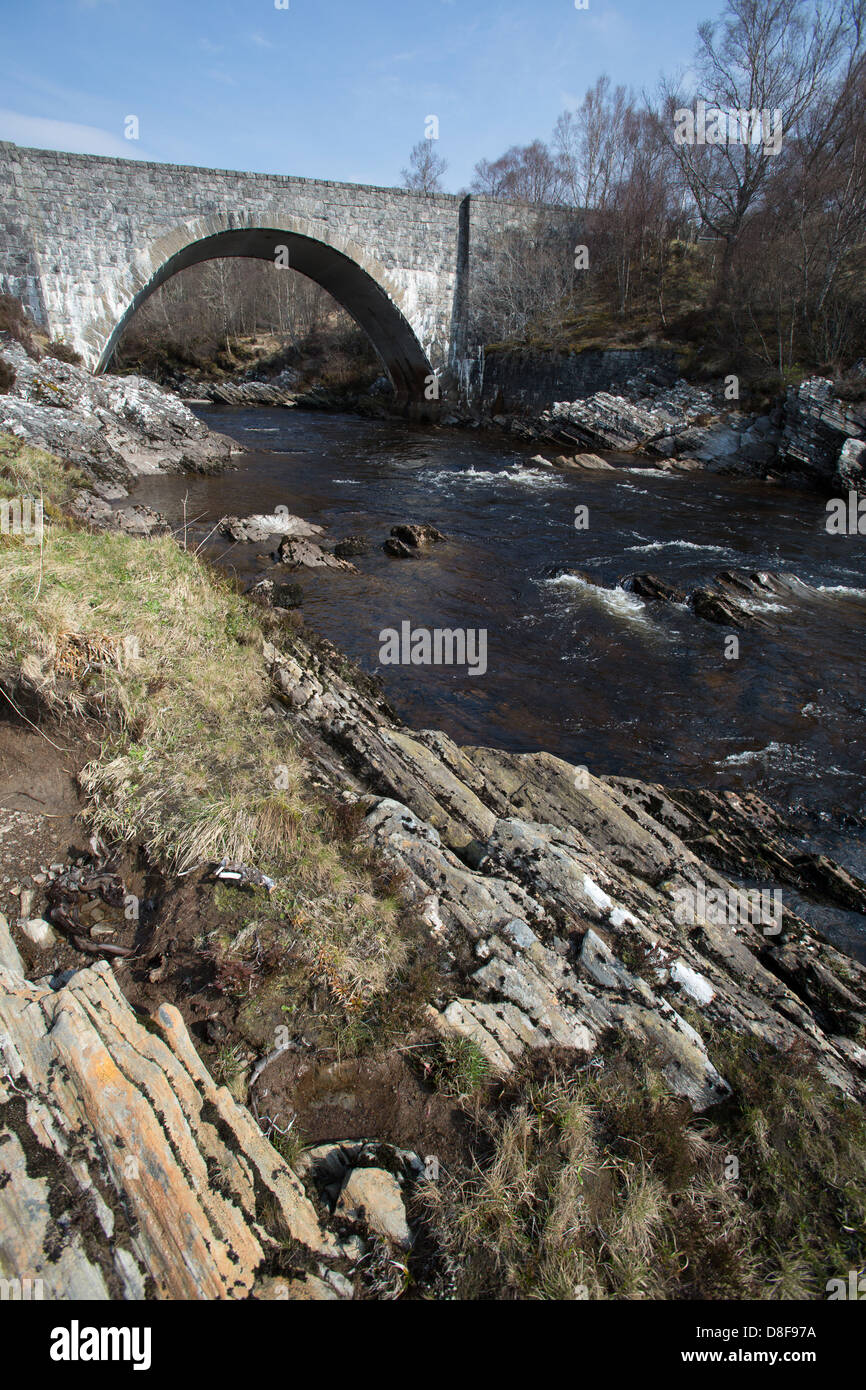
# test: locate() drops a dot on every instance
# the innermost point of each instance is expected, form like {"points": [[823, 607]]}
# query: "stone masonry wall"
{"points": [[85, 238], [80, 226]]}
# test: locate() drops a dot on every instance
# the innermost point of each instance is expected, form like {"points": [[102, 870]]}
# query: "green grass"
{"points": [[459, 1068], [194, 765]]}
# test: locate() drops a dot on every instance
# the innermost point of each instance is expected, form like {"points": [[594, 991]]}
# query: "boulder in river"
{"points": [[276, 595], [260, 528], [408, 538], [398, 549], [652, 587], [351, 546], [299, 553], [590, 462], [714, 607], [744, 598], [417, 534]]}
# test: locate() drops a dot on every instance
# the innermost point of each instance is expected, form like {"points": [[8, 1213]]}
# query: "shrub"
{"points": [[64, 352], [597, 1182], [7, 376], [14, 321]]}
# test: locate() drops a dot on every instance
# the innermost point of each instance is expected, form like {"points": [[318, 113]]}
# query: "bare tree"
{"points": [[763, 56], [204, 310], [591, 145], [641, 214], [426, 169], [527, 174], [799, 267], [524, 280]]}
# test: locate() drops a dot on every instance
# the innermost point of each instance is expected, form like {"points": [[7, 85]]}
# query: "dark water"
{"points": [[600, 679]]}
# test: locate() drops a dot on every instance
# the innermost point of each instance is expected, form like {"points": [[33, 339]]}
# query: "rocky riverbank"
{"points": [[113, 429], [811, 437], [473, 916]]}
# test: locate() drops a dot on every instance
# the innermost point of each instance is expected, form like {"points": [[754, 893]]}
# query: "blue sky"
{"points": [[334, 89]]}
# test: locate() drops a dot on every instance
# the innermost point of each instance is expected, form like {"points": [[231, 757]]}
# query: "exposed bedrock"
{"points": [[556, 897], [125, 1171]]}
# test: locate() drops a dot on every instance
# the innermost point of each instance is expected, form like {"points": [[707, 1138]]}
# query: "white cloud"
{"points": [[260, 41], [48, 134]]}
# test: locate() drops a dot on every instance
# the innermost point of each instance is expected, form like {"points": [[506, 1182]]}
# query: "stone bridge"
{"points": [[85, 239]]}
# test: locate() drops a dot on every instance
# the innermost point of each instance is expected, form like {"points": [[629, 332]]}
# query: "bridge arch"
{"points": [[354, 278]]}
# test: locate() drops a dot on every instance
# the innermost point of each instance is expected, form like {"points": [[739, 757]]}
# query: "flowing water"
{"points": [[598, 677]]}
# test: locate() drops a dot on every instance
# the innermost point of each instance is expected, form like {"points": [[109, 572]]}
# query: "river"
{"points": [[598, 677]]}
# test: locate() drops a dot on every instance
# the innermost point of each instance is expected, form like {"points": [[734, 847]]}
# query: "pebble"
{"points": [[37, 930]]}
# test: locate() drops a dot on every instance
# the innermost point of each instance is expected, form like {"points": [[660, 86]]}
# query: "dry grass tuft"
{"points": [[195, 766], [599, 1184]]}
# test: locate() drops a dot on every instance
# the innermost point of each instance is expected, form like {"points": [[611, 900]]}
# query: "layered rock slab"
{"points": [[126, 1171]]}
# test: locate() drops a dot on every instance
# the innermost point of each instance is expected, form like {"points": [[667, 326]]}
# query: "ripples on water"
{"points": [[599, 678]]}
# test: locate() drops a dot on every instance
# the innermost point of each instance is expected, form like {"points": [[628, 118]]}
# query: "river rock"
{"points": [[817, 430], [591, 462], [643, 419], [716, 608], [115, 428], [138, 520], [398, 549], [373, 1195], [515, 858], [851, 465], [300, 553], [110, 1134], [749, 598], [260, 528], [415, 536], [351, 546], [276, 595], [651, 587], [278, 390]]}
